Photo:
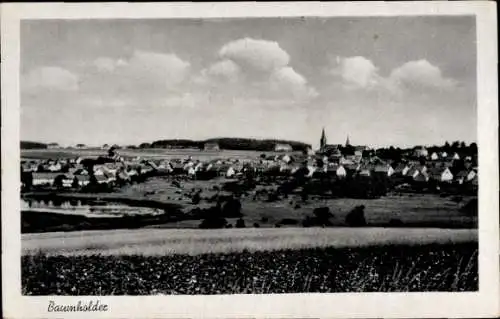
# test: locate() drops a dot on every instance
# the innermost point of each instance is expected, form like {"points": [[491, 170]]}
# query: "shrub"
{"points": [[396, 222], [471, 207], [213, 223], [288, 221], [356, 218], [297, 206], [232, 208], [264, 219], [240, 223], [256, 225]]}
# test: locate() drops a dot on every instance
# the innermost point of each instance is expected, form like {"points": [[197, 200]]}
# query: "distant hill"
{"points": [[228, 143], [26, 145]]}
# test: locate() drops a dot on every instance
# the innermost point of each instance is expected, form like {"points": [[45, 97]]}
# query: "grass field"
{"points": [[193, 242], [426, 210], [144, 153], [375, 269]]}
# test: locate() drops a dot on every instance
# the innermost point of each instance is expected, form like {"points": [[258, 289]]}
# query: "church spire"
{"points": [[322, 142], [347, 142]]}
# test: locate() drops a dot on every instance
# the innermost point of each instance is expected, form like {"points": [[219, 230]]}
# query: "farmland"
{"points": [[185, 228], [195, 241], [381, 268]]}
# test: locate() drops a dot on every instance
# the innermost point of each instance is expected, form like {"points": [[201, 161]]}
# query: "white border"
{"points": [[485, 303]]}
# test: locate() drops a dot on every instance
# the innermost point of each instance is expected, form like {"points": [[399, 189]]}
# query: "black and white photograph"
{"points": [[259, 155]]}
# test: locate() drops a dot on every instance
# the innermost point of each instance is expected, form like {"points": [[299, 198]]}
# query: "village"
{"points": [[414, 168]]}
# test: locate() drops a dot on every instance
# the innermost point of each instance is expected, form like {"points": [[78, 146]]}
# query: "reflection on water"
{"points": [[89, 209]]}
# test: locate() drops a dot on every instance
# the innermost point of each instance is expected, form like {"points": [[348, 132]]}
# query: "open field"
{"points": [[384, 269], [193, 242], [144, 153], [427, 210]]}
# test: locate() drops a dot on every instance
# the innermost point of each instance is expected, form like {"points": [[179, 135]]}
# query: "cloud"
{"points": [[51, 78], [142, 74], [288, 81], [356, 72], [255, 70], [421, 74], [104, 64], [224, 70], [360, 73], [255, 54]]}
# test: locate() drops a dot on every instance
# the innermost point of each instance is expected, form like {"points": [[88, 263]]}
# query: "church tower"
{"points": [[322, 142], [347, 142]]}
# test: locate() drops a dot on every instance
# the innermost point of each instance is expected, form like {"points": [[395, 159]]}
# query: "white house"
{"points": [[456, 156], [384, 169], [339, 170], [421, 177], [465, 176], [420, 152], [434, 156], [441, 174], [230, 172], [283, 148], [55, 167]]}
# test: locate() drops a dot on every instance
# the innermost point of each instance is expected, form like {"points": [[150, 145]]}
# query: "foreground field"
{"points": [[386, 269], [193, 242]]}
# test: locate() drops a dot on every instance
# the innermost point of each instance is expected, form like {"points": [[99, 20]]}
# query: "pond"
{"points": [[86, 208]]}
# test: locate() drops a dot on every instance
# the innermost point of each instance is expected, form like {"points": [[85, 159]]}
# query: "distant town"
{"points": [[449, 164]]}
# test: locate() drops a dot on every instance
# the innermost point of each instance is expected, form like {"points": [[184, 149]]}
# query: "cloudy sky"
{"points": [[382, 81]]}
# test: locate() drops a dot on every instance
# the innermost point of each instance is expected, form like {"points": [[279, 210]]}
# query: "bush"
{"points": [[471, 207], [396, 222], [240, 223], [256, 225], [356, 218], [322, 216], [264, 219], [232, 208], [288, 221], [214, 222]]}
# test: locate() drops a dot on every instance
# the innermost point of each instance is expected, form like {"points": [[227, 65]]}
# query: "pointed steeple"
{"points": [[322, 141], [347, 142]]}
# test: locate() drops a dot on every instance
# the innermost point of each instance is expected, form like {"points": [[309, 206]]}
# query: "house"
{"points": [[230, 172], [455, 156], [420, 151], [337, 170], [211, 147], [45, 179], [401, 170], [440, 174], [421, 177], [283, 148], [434, 156], [444, 155], [465, 176], [82, 180], [386, 169], [101, 179], [55, 167], [52, 145]]}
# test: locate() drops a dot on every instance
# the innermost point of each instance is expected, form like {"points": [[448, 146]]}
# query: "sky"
{"points": [[383, 81]]}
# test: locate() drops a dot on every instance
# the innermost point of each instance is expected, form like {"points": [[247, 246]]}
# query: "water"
{"points": [[79, 207]]}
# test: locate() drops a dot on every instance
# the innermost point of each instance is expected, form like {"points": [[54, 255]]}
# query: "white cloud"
{"points": [[356, 72], [259, 55], [50, 78], [224, 70], [105, 64], [255, 70], [420, 73], [360, 73], [288, 81]]}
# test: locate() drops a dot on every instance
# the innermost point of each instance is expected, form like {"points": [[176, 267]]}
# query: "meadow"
{"points": [[162, 242], [393, 268], [152, 153]]}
